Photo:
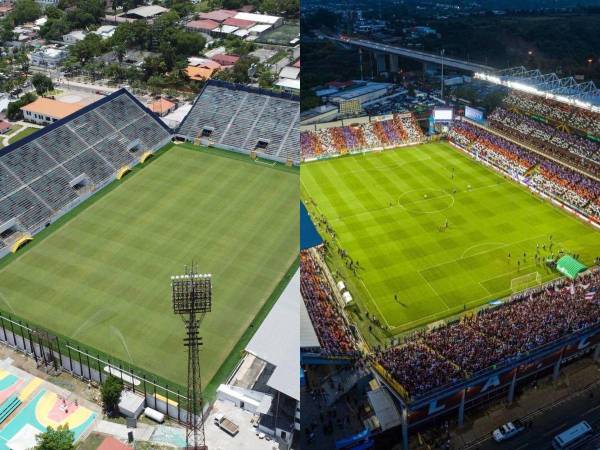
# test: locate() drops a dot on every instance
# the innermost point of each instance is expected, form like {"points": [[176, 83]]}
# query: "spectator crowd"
{"points": [[564, 184], [399, 130], [529, 320], [329, 323]]}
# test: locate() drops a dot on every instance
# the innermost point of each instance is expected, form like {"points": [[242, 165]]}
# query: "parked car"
{"points": [[508, 430]]}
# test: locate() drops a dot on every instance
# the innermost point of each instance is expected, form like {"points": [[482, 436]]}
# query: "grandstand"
{"points": [[244, 119], [364, 134], [51, 171]]}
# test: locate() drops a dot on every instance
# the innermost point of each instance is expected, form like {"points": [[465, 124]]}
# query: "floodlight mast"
{"points": [[192, 299]]}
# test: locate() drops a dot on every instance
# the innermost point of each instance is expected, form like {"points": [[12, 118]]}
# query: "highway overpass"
{"points": [[427, 58]]}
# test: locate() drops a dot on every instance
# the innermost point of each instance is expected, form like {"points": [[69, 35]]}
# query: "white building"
{"points": [[105, 31], [274, 21], [74, 36], [48, 57], [45, 3]]}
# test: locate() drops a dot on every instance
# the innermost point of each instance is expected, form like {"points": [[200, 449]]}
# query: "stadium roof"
{"points": [[566, 90], [260, 18], [384, 408], [281, 326], [146, 11], [308, 336], [289, 84], [203, 24], [218, 15]]}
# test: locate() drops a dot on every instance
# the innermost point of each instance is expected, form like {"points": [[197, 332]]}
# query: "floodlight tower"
{"points": [[192, 299]]}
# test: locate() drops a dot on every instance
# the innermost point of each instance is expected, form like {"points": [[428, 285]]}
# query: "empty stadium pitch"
{"points": [[422, 233], [101, 274]]}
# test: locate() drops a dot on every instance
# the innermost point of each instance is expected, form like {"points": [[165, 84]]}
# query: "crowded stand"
{"points": [[531, 319], [330, 325], [397, 131], [417, 368], [570, 187], [582, 119], [575, 149]]}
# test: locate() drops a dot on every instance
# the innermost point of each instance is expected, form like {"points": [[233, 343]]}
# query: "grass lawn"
{"points": [[103, 277], [387, 210], [22, 134]]}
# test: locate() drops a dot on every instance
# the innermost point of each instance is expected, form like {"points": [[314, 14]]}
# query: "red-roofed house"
{"points": [[205, 25], [110, 443], [162, 107], [220, 15], [4, 126], [240, 23], [226, 60]]}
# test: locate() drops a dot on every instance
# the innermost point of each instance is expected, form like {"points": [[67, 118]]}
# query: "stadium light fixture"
{"points": [[523, 87]]}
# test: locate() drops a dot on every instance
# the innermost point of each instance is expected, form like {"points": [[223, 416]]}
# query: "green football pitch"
{"points": [[389, 211], [102, 277]]}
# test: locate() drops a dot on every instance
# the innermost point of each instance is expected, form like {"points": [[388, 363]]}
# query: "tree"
{"points": [[13, 110], [60, 439], [42, 83], [266, 78], [111, 395], [25, 11]]}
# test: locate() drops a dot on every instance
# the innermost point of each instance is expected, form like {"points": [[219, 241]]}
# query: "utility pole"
{"points": [[442, 80]]}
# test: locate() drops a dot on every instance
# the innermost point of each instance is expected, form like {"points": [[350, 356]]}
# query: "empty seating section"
{"points": [[61, 143], [120, 111], [54, 188], [149, 132], [240, 118], [90, 163], [91, 127], [8, 182], [214, 110], [25, 206], [29, 162], [114, 150], [36, 177]]}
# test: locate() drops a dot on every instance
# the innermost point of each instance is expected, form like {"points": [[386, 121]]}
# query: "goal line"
{"points": [[526, 281]]}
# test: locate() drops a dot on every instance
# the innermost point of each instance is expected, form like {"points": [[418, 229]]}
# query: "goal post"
{"points": [[526, 281]]}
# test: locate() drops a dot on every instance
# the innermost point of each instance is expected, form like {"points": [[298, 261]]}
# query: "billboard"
{"points": [[474, 114], [443, 114]]}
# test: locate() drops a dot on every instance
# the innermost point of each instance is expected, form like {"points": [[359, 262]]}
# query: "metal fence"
{"points": [[62, 355]]}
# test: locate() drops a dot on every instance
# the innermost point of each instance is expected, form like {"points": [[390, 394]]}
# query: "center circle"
{"points": [[426, 201]]}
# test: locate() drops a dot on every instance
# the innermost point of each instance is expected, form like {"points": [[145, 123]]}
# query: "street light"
{"points": [[442, 80]]}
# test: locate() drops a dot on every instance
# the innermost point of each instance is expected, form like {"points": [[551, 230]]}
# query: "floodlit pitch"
{"points": [[103, 277], [432, 233]]}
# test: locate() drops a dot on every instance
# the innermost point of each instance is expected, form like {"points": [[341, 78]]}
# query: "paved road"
{"points": [[546, 425]]}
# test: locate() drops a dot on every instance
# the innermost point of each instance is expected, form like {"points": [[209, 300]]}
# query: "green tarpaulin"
{"points": [[570, 267]]}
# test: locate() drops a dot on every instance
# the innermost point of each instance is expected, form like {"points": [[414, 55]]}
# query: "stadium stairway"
{"points": [[8, 407], [337, 385]]}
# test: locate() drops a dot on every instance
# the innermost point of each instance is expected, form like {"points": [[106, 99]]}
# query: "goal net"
{"points": [[525, 281]]}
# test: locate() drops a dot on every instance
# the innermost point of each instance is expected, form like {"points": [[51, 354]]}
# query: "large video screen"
{"points": [[442, 114], [473, 114]]}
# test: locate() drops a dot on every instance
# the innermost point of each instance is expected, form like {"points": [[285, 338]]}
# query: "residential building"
{"points": [[44, 111], [74, 36], [162, 107], [48, 57]]}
